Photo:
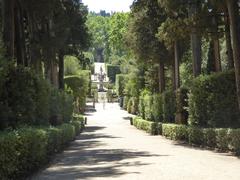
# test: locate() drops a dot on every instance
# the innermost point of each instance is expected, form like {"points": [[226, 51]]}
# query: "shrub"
{"points": [[125, 102], [61, 107], [174, 131], [148, 126], [234, 143], [33, 148], [195, 135], [222, 138], [132, 105], [9, 156], [79, 84], [141, 106], [169, 106], [148, 101], [26, 149], [121, 80], [26, 98], [157, 110], [181, 106], [213, 101], [209, 137], [112, 71]]}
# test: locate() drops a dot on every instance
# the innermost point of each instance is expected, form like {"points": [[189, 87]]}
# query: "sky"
{"points": [[108, 5]]}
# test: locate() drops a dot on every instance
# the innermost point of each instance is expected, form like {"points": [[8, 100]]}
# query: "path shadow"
{"points": [[84, 159]]}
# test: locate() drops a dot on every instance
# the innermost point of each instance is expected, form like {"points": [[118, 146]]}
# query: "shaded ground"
{"points": [[112, 149]]}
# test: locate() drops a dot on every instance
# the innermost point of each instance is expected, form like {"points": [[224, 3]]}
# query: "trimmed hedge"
{"points": [[112, 71], [213, 101], [169, 106], [26, 149], [79, 84], [223, 139], [121, 80], [132, 106], [181, 116], [150, 127], [28, 99], [125, 102], [174, 132]]}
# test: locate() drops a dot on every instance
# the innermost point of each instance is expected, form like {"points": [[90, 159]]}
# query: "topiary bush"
{"points": [[121, 80], [125, 102], [234, 142], [26, 149], [79, 84], [152, 128], [195, 136], [141, 105], [213, 101], [169, 106], [26, 98], [147, 103], [210, 137], [157, 107], [112, 71], [181, 116], [222, 139], [175, 132]]}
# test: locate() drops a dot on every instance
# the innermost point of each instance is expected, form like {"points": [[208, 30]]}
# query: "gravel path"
{"points": [[112, 149]]}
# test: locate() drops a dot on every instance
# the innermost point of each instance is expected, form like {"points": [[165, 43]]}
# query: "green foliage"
{"points": [[213, 101], [121, 80], [157, 107], [125, 102], [195, 135], [181, 106], [28, 99], [169, 106], [79, 84], [222, 138], [234, 143], [71, 65], [112, 71], [175, 132], [209, 137], [61, 107], [148, 101], [152, 128], [28, 148], [150, 106], [132, 106]]}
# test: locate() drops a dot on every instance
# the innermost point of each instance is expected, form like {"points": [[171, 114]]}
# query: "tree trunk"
{"points": [[54, 74], [195, 44], [233, 18], [61, 69], [176, 65], [228, 41], [20, 39], [161, 74], [8, 27], [217, 58]]}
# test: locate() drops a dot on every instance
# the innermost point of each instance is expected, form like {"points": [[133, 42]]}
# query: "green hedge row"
{"points": [[223, 139], [80, 85], [112, 71], [213, 101], [26, 149], [121, 80], [150, 127], [26, 98]]}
